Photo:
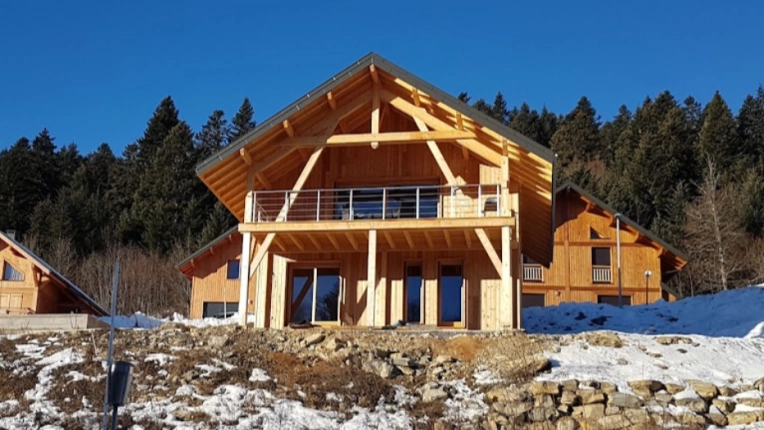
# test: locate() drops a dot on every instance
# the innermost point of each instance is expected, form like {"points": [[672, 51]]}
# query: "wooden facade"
{"points": [[375, 199], [30, 286], [587, 231]]}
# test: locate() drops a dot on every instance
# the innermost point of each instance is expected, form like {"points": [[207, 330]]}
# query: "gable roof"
{"points": [[214, 242], [53, 273], [631, 223]]}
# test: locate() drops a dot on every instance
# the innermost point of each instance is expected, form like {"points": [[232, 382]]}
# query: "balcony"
{"points": [[602, 275], [532, 273], [423, 202]]}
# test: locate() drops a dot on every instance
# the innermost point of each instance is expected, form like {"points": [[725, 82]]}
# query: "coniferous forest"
{"points": [[693, 173]]}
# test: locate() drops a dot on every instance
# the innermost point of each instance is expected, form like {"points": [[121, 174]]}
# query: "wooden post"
{"points": [[261, 293], [506, 299], [371, 278], [382, 291], [246, 252]]}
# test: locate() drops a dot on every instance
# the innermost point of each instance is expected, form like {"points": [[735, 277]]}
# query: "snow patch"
{"points": [[259, 375]]}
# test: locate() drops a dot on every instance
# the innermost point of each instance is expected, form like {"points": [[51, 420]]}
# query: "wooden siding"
{"points": [[569, 277]]}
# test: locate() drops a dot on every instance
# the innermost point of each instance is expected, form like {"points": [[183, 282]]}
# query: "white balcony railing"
{"points": [[602, 274], [384, 203], [532, 272]]}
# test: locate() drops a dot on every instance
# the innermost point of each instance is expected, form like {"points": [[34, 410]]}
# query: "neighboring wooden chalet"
{"points": [[376, 198], [30, 286], [585, 267]]}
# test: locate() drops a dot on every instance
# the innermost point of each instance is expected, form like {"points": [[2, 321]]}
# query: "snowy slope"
{"points": [[735, 313]]}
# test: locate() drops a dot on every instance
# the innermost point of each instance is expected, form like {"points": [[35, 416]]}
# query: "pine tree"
{"points": [[219, 221], [499, 109], [750, 125], [165, 118], [718, 136], [464, 97], [213, 136], [525, 121], [577, 137], [611, 133], [483, 106], [243, 121], [752, 204]]}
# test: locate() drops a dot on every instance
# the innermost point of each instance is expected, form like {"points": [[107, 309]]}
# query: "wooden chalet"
{"points": [[378, 198], [29, 285], [585, 267]]}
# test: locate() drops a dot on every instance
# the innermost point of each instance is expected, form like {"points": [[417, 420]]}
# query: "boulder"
{"points": [[704, 389], [544, 401], [442, 359], [624, 400], [603, 338], [514, 409], [673, 388], [647, 386], [608, 387], [543, 414], [217, 342], [690, 418], [507, 394], [544, 387], [699, 406], [613, 422], [727, 391], [544, 425], [717, 419], [443, 425], [567, 423], [754, 402], [314, 339], [568, 398], [673, 340], [434, 394], [724, 405], [591, 396], [759, 384], [182, 414], [570, 385], [637, 416], [740, 418], [663, 396], [382, 368], [593, 411], [334, 344], [403, 362]]}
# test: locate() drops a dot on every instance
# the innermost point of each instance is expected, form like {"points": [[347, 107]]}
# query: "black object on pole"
{"points": [[110, 356], [648, 273], [120, 376]]}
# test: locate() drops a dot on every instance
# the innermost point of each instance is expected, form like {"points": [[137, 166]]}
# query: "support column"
{"points": [[506, 298], [261, 291], [381, 292], [246, 250], [371, 279]]}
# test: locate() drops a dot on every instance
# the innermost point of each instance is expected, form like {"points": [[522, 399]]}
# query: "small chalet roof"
{"points": [[626, 220], [53, 273], [201, 251], [347, 98]]}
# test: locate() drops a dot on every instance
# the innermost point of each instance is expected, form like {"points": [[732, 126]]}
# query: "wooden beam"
{"points": [[352, 240], [273, 158], [396, 137], [374, 74], [288, 127], [338, 115], [245, 157], [301, 181], [296, 242], [280, 244], [428, 238], [415, 97], [459, 122], [315, 242], [332, 100], [506, 297], [439, 158], [409, 239], [248, 269], [333, 240], [375, 112], [468, 238], [448, 238], [489, 249], [263, 180], [371, 278], [389, 239], [408, 224]]}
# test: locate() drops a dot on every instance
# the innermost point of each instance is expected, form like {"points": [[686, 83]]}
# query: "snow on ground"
{"points": [[734, 313], [143, 321]]}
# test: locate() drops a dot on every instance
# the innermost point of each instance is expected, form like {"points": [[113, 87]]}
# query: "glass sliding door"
{"points": [[413, 286], [315, 295], [451, 294]]}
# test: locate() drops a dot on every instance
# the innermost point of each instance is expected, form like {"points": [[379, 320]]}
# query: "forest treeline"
{"points": [[691, 173]]}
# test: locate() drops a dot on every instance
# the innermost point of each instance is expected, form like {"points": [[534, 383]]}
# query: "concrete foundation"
{"points": [[49, 322]]}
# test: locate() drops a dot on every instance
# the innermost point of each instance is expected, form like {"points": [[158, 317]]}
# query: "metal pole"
{"points": [[318, 205], [384, 202], [114, 418], [648, 273], [480, 201], [417, 202], [109, 357], [618, 250], [350, 206]]}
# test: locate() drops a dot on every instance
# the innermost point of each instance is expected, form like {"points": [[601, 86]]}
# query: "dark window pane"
{"points": [[613, 300], [302, 296], [413, 293], [218, 309], [328, 294], [533, 300], [451, 282], [233, 269], [601, 256], [10, 273]]}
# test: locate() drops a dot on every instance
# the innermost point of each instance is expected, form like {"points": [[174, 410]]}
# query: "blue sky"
{"points": [[93, 71]]}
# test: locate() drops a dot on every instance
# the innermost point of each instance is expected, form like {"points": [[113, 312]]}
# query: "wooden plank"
{"points": [[409, 239], [415, 97], [280, 244], [375, 113], [261, 293], [428, 238], [460, 126], [389, 239], [374, 74], [248, 269], [263, 180], [352, 240], [245, 156], [334, 241], [448, 238], [288, 127], [386, 225], [489, 249], [296, 241], [381, 292], [315, 242], [338, 115], [467, 238], [396, 137], [371, 278], [506, 299], [450, 178], [332, 101]]}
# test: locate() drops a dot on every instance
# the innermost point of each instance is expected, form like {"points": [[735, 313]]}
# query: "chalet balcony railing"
{"points": [[602, 275], [532, 272], [383, 203]]}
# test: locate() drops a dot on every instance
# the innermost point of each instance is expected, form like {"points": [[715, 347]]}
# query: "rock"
{"points": [[725, 406], [591, 396], [613, 422], [705, 390], [663, 396], [590, 384], [507, 394], [442, 359], [514, 409], [624, 400], [382, 368], [544, 414], [604, 338], [334, 344], [403, 362], [544, 387], [216, 342], [434, 394], [564, 409], [593, 411], [717, 419], [699, 406], [443, 425], [567, 423], [570, 385], [673, 340], [727, 391], [739, 418], [182, 414], [674, 388], [568, 398], [759, 384], [544, 401], [751, 401], [637, 416], [314, 339], [540, 426], [690, 418], [437, 370], [646, 386], [608, 387], [405, 370]]}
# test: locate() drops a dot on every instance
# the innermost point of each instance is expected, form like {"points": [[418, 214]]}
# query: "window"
{"points": [[219, 309], [233, 269], [532, 271], [594, 235], [613, 300], [601, 257], [10, 273], [601, 271], [315, 295], [413, 293], [533, 300], [368, 203], [451, 297]]}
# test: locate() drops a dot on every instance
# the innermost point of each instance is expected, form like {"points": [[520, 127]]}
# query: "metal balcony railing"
{"points": [[532, 272], [382, 203], [602, 275]]}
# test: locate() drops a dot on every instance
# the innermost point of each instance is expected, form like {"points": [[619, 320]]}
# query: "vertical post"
{"points": [[648, 273], [110, 355], [350, 206], [371, 278], [498, 199], [453, 194], [384, 202], [506, 299], [618, 251], [244, 262], [480, 201], [417, 202], [286, 204], [318, 205]]}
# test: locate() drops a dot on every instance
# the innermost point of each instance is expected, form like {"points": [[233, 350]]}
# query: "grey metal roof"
{"points": [[362, 66], [623, 218], [69, 284], [207, 247]]}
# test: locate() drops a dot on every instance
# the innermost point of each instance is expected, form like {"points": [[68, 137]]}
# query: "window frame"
{"points": [[238, 270]]}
